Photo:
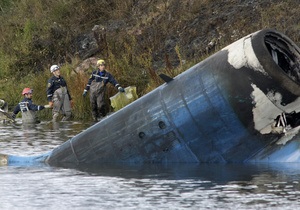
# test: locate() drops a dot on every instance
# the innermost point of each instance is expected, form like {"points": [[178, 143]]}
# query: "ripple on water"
{"points": [[181, 186]]}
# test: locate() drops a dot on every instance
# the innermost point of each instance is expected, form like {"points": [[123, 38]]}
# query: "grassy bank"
{"points": [[142, 39], [11, 89]]}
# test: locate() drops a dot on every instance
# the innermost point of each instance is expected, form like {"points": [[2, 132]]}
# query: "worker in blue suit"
{"points": [[58, 95], [97, 86], [28, 108]]}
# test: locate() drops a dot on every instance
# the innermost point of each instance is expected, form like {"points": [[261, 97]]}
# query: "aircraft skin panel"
{"points": [[289, 152]]}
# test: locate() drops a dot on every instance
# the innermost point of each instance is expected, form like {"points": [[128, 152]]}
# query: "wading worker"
{"points": [[28, 108], [3, 105], [58, 95], [97, 86]]}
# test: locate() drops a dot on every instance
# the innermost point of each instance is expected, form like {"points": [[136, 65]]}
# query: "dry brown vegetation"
{"points": [[143, 37]]}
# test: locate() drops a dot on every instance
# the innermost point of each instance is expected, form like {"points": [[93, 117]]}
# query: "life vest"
{"points": [[28, 116]]}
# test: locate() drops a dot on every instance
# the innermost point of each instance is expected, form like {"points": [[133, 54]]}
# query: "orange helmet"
{"points": [[26, 91]]}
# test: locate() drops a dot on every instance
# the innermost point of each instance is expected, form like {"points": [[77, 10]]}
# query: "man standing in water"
{"points": [[97, 84], [58, 95], [3, 105], [28, 108], [5, 117]]}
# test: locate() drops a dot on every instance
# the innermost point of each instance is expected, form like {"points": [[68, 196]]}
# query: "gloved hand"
{"points": [[84, 93], [121, 89], [47, 106]]}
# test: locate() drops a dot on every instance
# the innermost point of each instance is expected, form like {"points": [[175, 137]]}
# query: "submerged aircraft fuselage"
{"points": [[220, 110]]}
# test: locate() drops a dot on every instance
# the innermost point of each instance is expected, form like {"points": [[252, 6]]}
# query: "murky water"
{"points": [[173, 186]]}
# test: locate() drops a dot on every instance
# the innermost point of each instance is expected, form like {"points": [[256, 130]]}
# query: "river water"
{"points": [[173, 186]]}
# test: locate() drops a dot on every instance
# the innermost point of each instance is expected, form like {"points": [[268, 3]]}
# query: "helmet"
{"points": [[26, 91], [53, 68], [100, 62]]}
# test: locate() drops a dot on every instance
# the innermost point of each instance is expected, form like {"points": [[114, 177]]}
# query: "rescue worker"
{"points": [[28, 108], [97, 86], [58, 95], [3, 105], [5, 117]]}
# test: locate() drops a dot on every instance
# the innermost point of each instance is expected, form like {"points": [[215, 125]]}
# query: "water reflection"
{"points": [[180, 186], [18, 139], [220, 173], [152, 186]]}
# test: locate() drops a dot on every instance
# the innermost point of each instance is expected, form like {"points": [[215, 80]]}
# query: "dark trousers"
{"points": [[98, 104]]}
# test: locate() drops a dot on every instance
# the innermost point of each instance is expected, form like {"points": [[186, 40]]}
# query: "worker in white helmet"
{"points": [[58, 95]]}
